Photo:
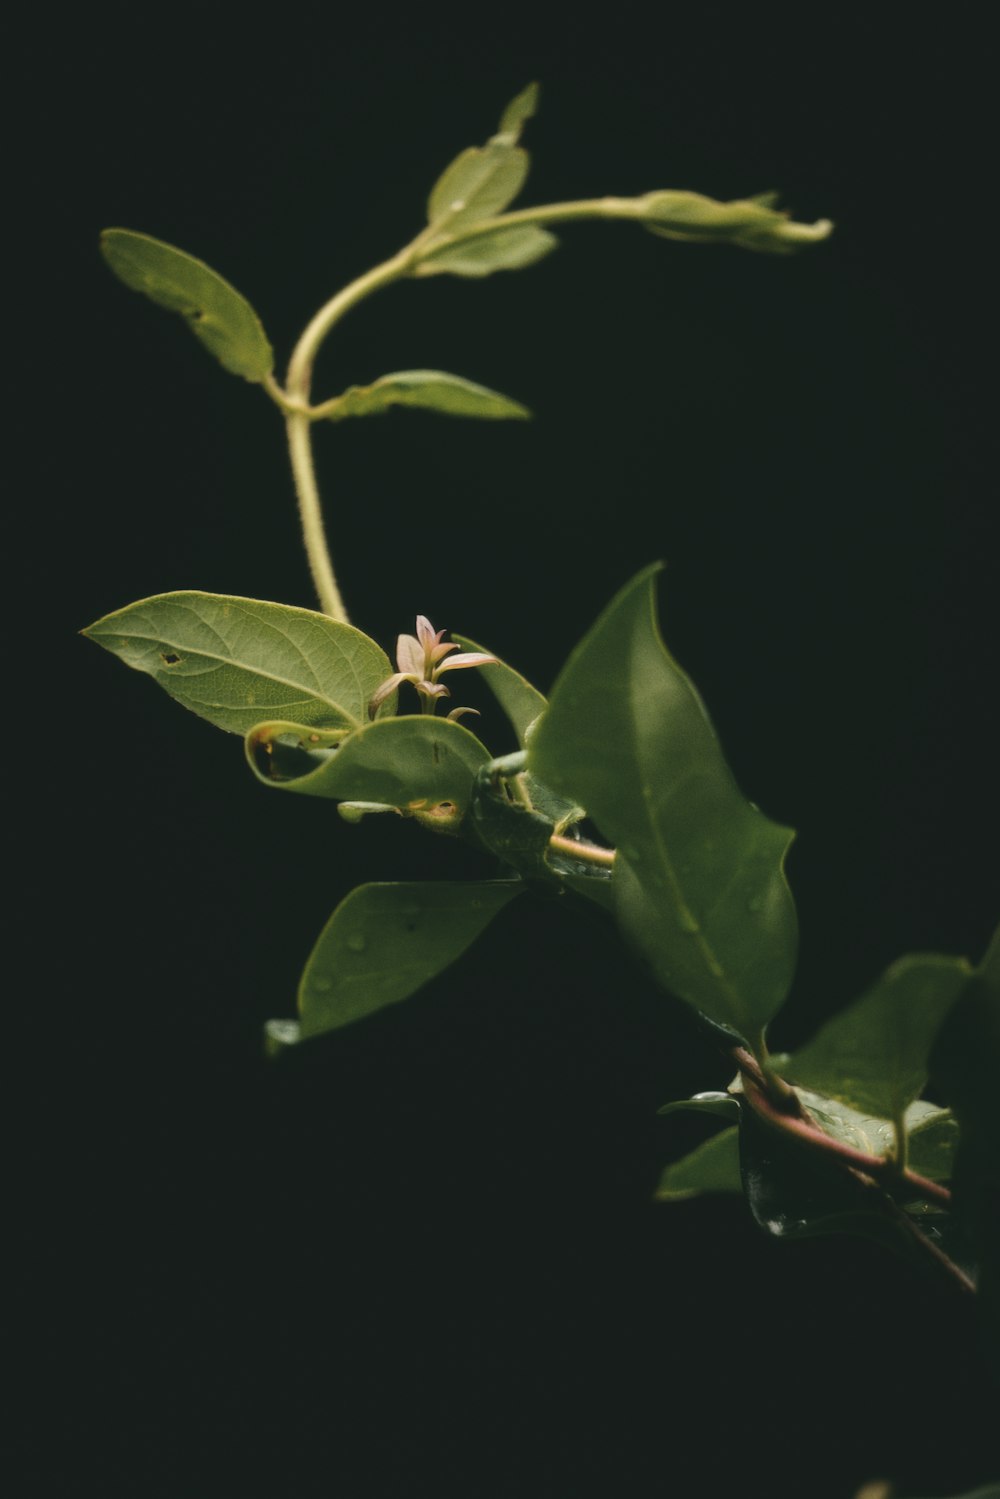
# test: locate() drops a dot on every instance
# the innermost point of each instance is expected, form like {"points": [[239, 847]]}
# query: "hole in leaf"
{"points": [[169, 658]]}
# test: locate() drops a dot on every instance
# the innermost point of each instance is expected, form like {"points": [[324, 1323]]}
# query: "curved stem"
{"points": [[587, 853], [295, 402]]}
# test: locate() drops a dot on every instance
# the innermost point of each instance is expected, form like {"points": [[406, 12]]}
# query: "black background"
{"points": [[420, 1257]]}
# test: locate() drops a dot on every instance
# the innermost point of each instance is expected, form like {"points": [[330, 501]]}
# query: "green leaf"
{"points": [[217, 315], [522, 108], [711, 1167], [752, 223], [933, 1139], [424, 766], [236, 661], [521, 702], [432, 390], [724, 1105], [480, 255], [479, 183], [874, 1054], [699, 883], [932, 1132], [384, 942]]}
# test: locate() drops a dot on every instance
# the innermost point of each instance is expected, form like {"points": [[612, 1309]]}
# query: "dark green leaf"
{"points": [[711, 1167], [432, 390], [217, 315], [700, 887], [425, 766], [521, 702], [873, 1055], [384, 942], [498, 250], [236, 661]]}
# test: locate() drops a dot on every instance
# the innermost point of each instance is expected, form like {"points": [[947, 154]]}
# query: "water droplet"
{"points": [[356, 942], [320, 985], [755, 903]]}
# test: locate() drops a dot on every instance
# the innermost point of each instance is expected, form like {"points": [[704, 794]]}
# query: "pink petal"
{"points": [[410, 655], [468, 658], [385, 689]]}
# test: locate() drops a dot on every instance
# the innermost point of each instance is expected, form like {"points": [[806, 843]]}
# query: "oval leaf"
{"points": [[874, 1054], [711, 1167], [384, 942], [216, 313], [699, 879], [497, 250], [235, 661], [479, 183], [432, 390], [424, 766]]}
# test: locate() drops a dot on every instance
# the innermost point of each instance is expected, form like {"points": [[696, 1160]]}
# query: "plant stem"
{"points": [[587, 853], [295, 403]]}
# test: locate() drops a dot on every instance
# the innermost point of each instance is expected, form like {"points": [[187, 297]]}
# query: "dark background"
{"points": [[421, 1257]]}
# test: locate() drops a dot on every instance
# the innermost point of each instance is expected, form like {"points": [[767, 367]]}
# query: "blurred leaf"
{"points": [[384, 942], [217, 315], [753, 223], [699, 885], [423, 765], [711, 1167], [499, 250], [479, 183], [234, 661], [874, 1054], [724, 1105], [279, 1036], [522, 108], [521, 702], [432, 390]]}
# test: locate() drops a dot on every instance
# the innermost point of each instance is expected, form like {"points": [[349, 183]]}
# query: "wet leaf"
{"points": [[431, 390], [874, 1054], [480, 255], [711, 1167], [237, 661], [425, 766], [384, 942], [724, 1105], [218, 316], [699, 883], [521, 702]]}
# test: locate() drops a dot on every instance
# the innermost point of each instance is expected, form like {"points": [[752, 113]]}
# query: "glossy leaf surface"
{"points": [[723, 1105], [430, 390], [510, 249], [384, 942], [423, 765], [874, 1055], [711, 1167], [218, 316], [237, 661], [699, 883], [521, 702]]}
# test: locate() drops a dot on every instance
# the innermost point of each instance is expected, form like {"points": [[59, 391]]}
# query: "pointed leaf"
{"points": [[433, 390], [218, 316], [424, 766], [521, 702], [752, 223], [235, 661], [724, 1105], [699, 883], [522, 108], [874, 1054], [933, 1139], [711, 1167], [496, 250], [384, 942]]}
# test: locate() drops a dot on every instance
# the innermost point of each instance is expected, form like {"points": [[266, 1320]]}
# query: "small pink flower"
{"points": [[421, 659]]}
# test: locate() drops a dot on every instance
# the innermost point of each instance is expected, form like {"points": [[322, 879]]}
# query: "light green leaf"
{"points": [[522, 108], [521, 702], [873, 1055], [216, 313], [699, 883], [752, 223], [384, 942], [424, 766], [236, 661], [433, 390], [711, 1167], [497, 250], [932, 1132], [479, 183], [724, 1105]]}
